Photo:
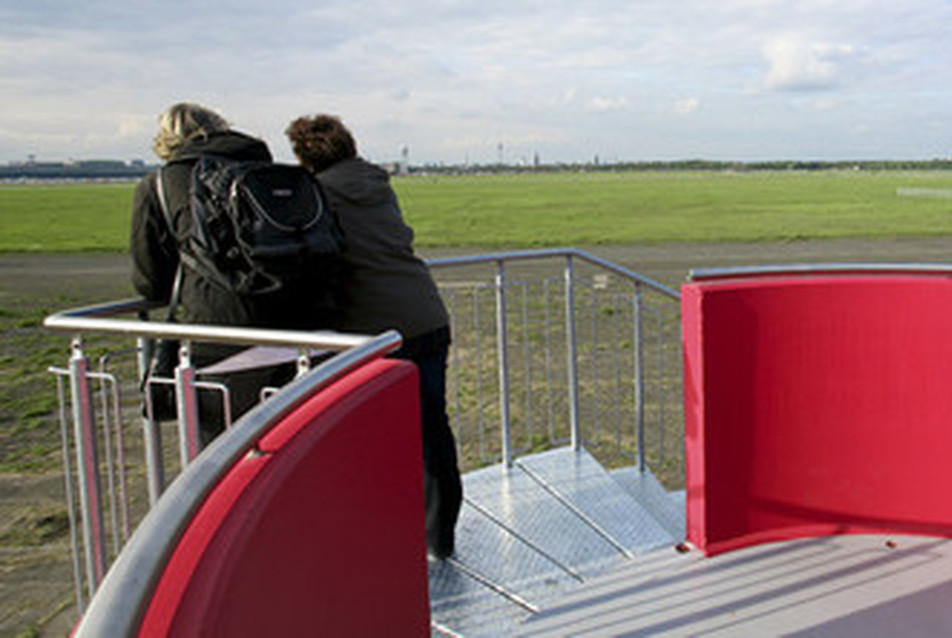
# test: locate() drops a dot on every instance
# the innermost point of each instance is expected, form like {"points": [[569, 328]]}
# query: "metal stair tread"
{"points": [[526, 538]]}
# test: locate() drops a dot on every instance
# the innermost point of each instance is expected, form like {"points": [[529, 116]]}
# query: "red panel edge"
{"points": [[207, 531], [693, 388], [201, 533]]}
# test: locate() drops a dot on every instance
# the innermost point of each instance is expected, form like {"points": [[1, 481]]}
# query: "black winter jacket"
{"points": [[155, 248], [387, 285]]}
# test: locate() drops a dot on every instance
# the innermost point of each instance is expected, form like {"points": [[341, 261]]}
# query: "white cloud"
{"points": [[796, 63], [603, 104], [453, 79], [687, 106], [134, 125]]}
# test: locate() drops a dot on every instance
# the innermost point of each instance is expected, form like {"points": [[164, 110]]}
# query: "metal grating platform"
{"points": [[533, 533], [842, 586], [668, 508]]}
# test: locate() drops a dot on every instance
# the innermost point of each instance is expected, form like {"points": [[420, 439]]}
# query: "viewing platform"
{"points": [[759, 453]]}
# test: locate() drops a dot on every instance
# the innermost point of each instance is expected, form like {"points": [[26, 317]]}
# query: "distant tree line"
{"points": [[117, 170], [696, 165]]}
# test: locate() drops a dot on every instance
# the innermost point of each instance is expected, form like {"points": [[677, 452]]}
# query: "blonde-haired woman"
{"points": [[188, 131]]}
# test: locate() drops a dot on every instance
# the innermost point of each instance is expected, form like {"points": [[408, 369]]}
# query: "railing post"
{"points": [[152, 442], [68, 485], [502, 350], [87, 463], [639, 377], [151, 433], [572, 345], [186, 401]]}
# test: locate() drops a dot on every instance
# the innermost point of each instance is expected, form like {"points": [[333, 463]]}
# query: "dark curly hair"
{"points": [[320, 141]]}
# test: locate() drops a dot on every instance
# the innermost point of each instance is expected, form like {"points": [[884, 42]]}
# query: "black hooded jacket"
{"points": [[387, 285], [155, 250]]}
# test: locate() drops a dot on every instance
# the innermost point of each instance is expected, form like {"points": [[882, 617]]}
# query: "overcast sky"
{"points": [[462, 81]]}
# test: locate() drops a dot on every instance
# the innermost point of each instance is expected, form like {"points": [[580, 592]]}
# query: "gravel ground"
{"points": [[36, 580]]}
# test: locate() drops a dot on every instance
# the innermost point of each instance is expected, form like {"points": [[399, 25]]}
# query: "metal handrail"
{"points": [[104, 319], [570, 255], [548, 253], [100, 318], [119, 604], [699, 274]]}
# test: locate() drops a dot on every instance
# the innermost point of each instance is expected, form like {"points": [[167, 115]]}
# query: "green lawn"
{"points": [[65, 217], [556, 209], [622, 208]]}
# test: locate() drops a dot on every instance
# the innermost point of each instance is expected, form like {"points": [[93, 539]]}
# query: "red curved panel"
{"points": [[319, 532], [817, 406]]}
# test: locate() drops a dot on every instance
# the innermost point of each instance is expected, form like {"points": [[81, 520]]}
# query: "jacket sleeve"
{"points": [[152, 245]]}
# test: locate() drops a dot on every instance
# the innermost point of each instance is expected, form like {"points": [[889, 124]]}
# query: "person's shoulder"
{"points": [[231, 144], [354, 168], [146, 183], [246, 145]]}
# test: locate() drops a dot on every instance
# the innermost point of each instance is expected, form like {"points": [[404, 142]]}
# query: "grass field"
{"points": [[631, 211], [485, 211], [556, 209], [65, 217]]}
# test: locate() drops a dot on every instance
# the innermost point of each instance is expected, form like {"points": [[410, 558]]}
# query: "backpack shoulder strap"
{"points": [[177, 283], [163, 202]]}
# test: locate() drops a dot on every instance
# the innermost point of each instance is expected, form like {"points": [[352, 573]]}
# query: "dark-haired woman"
{"points": [[389, 287]]}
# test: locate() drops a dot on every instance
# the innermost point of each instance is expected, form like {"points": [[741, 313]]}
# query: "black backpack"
{"points": [[261, 230]]}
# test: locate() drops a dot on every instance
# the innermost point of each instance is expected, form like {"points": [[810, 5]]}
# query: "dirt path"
{"points": [[98, 276], [35, 573]]}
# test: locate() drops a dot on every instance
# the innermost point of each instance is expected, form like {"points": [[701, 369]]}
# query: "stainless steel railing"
{"points": [[97, 438], [559, 346], [550, 348], [128, 585]]}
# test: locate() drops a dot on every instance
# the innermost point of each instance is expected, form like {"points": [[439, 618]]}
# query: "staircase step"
{"points": [[531, 533], [578, 478], [515, 500], [494, 580], [668, 508]]}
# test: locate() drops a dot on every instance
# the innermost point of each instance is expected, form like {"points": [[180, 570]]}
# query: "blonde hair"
{"points": [[182, 123]]}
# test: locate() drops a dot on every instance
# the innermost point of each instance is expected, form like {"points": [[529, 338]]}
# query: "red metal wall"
{"points": [[320, 533], [817, 405]]}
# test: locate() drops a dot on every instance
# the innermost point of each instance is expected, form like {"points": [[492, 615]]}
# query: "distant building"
{"points": [[97, 169]]}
